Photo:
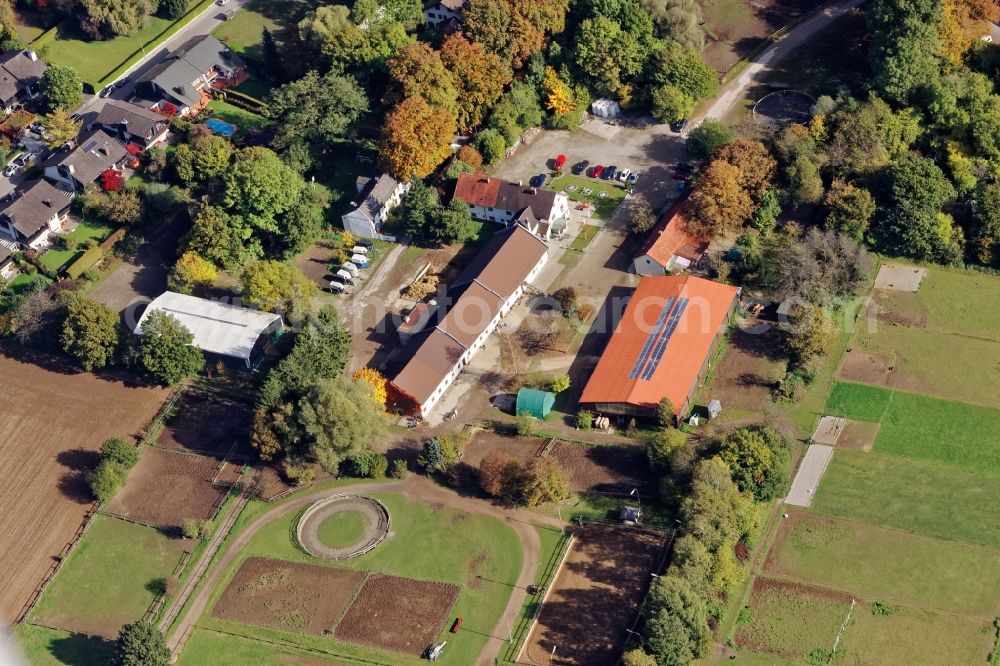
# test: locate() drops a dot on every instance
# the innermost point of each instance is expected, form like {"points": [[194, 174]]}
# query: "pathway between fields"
{"points": [[735, 91], [415, 487], [213, 546]]}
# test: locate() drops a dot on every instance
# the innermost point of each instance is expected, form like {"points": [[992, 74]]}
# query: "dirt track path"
{"points": [[734, 91], [416, 488]]}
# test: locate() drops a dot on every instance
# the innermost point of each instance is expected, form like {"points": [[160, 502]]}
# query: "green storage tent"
{"points": [[535, 402]]}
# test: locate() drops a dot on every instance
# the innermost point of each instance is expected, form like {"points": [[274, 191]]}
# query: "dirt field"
{"points": [[167, 488], [603, 468], [749, 367], [858, 435], [52, 421], [484, 441], [399, 614], [859, 366], [595, 597], [905, 308], [209, 424], [285, 595], [735, 27]]}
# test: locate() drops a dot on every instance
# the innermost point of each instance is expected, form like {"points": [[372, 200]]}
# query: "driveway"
{"points": [[203, 24]]}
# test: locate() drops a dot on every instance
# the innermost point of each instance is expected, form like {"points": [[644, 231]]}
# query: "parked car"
{"points": [[365, 242], [609, 173], [624, 174], [679, 126], [338, 287], [596, 171], [10, 170], [24, 159], [360, 260], [634, 177], [580, 167], [222, 2], [106, 90], [350, 268], [359, 249], [537, 181], [559, 161]]}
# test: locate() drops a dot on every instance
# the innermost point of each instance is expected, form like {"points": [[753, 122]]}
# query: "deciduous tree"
{"points": [[755, 164], [480, 77], [204, 158], [275, 286], [166, 350], [913, 192], [376, 382], [259, 187], [757, 457], [105, 19], [215, 238], [191, 272], [60, 128], [719, 204], [317, 108], [704, 139], [419, 71], [849, 209], [89, 331], [336, 418], [142, 644], [415, 139]]}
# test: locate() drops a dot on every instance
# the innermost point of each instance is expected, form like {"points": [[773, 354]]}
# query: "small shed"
{"points": [[714, 408], [535, 402]]}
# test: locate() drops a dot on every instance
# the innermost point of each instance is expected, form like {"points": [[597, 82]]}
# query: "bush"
{"points": [[706, 137], [559, 384], [117, 458], [584, 420], [525, 426], [491, 145], [190, 529], [68, 243], [397, 470], [366, 465], [881, 608], [86, 261], [665, 412]]}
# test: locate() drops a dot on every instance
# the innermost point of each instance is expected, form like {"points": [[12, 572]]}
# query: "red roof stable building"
{"points": [[662, 347], [670, 246]]}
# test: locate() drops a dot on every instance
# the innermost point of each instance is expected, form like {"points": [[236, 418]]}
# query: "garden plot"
{"points": [[286, 595], [165, 489], [899, 278], [398, 614], [595, 596]]}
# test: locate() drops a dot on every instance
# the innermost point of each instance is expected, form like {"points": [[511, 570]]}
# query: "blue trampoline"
{"points": [[220, 127]]}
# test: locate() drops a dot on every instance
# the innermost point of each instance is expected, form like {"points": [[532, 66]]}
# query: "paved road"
{"points": [[735, 91]]}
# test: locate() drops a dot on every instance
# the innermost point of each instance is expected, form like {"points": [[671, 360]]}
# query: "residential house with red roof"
{"points": [[494, 200], [670, 245]]}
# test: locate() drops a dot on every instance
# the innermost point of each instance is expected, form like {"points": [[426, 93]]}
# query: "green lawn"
{"points": [[342, 529], [242, 33], [790, 621], [955, 301], [93, 595], [603, 207], [243, 119], [877, 563], [56, 258], [95, 60], [858, 401], [587, 233], [48, 647], [925, 498], [476, 552]]}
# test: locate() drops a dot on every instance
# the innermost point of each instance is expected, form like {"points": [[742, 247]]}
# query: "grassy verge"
{"points": [[587, 233], [41, 646]]}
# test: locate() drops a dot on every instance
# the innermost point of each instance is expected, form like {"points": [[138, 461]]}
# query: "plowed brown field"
{"points": [[52, 422]]}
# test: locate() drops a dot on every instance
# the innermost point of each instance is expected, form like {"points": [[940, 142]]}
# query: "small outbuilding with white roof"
{"points": [[219, 328]]}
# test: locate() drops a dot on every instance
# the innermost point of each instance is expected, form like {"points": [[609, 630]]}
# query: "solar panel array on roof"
{"points": [[668, 332], [89, 146], [648, 345]]}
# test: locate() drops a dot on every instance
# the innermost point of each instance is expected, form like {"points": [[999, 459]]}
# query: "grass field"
{"points": [[909, 569], [478, 553], [243, 119], [603, 207], [920, 497], [924, 428], [341, 529], [41, 646], [89, 596], [242, 33], [56, 258], [955, 302], [790, 620]]}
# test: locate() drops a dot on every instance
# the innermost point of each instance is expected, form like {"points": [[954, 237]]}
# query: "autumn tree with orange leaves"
{"points": [[415, 139], [374, 379], [479, 77]]}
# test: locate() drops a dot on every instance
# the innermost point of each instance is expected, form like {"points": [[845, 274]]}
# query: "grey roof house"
{"points": [[132, 123], [20, 72], [376, 197], [38, 212], [78, 164], [185, 78]]}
